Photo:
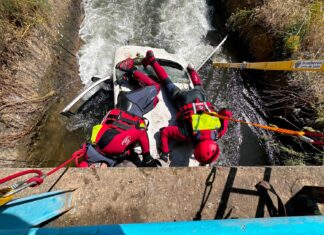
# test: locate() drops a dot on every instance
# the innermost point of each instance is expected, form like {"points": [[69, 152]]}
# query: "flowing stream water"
{"points": [[180, 27]]}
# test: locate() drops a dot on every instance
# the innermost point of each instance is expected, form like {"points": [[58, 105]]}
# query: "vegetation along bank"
{"points": [[38, 43], [275, 30]]}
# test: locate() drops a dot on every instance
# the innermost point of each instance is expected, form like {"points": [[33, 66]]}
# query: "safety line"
{"points": [[301, 134]]}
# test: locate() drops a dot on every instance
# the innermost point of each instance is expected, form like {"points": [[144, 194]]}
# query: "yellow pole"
{"points": [[292, 65]]}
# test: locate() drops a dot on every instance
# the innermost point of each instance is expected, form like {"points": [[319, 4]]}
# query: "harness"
{"points": [[187, 110], [203, 125], [123, 121], [115, 122]]}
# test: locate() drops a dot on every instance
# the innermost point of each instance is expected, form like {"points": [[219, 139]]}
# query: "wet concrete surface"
{"points": [[133, 195]]}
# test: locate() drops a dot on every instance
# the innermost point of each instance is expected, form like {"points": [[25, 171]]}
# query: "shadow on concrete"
{"points": [[58, 179], [303, 203], [208, 188], [12, 222], [228, 189], [261, 205]]}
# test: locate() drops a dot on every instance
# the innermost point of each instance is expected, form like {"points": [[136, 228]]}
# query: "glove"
{"points": [[152, 163], [190, 67], [165, 157], [148, 160]]}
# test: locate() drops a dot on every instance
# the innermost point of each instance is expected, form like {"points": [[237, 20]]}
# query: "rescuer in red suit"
{"points": [[196, 122], [124, 127]]}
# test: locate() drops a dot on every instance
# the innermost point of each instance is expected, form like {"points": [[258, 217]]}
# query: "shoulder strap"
{"points": [[107, 137]]}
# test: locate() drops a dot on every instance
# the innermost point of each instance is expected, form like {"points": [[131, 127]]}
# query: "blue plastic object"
{"points": [[31, 211], [264, 226]]}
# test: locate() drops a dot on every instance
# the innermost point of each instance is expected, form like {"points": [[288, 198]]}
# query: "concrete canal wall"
{"points": [[132, 195]]}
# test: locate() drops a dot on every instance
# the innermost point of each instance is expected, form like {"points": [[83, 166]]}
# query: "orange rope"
{"points": [[270, 128]]}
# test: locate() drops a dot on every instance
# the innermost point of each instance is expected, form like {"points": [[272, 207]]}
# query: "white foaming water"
{"points": [[178, 26]]}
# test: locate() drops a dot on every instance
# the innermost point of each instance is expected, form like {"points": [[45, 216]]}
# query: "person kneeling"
{"points": [[113, 141]]}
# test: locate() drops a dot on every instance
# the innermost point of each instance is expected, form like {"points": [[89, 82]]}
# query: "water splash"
{"points": [[175, 25]]}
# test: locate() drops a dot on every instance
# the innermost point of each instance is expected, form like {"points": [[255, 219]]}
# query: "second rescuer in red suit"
{"points": [[194, 101]]}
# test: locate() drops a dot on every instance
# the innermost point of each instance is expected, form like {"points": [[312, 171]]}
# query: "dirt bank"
{"points": [[36, 68], [282, 30]]}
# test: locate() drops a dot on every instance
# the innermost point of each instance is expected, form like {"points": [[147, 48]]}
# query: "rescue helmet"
{"points": [[206, 151]]}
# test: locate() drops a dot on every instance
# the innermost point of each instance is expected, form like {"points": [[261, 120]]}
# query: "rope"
{"points": [[75, 156], [270, 128], [277, 129], [39, 179], [318, 142], [18, 174], [79, 154]]}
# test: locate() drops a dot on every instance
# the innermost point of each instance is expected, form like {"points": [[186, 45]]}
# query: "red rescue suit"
{"points": [[120, 132], [124, 127], [189, 103], [184, 132]]}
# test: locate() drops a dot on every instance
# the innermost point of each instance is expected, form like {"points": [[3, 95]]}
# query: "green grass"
{"points": [[295, 33], [239, 19], [295, 158], [18, 16]]}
